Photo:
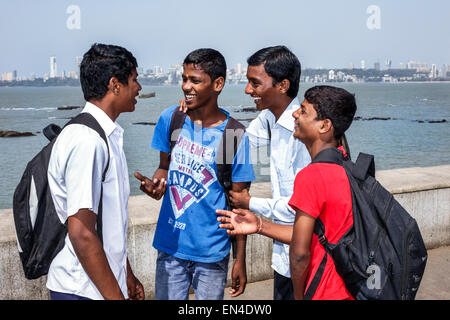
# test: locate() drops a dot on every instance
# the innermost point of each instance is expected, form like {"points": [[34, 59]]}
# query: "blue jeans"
{"points": [[54, 295], [174, 276]]}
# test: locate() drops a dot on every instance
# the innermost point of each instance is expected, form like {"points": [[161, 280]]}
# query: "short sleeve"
{"points": [[309, 192], [86, 162], [242, 169], [161, 139]]}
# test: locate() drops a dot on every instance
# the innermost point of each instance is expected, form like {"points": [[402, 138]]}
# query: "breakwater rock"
{"points": [[12, 134], [147, 95], [68, 107]]}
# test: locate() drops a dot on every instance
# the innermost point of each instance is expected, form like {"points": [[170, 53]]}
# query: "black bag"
{"points": [[382, 256], [40, 233]]}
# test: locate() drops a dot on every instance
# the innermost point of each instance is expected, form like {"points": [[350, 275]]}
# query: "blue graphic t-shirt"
{"points": [[187, 226]]}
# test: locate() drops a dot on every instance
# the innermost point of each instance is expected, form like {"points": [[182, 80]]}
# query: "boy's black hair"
{"points": [[210, 61], [102, 62], [279, 63], [335, 104]]}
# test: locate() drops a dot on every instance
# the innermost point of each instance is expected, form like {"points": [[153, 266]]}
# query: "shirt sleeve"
{"points": [[309, 192], [86, 161], [242, 168], [161, 139], [277, 209]]}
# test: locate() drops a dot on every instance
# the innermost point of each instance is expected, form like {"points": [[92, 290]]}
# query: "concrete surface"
{"points": [[435, 284], [424, 192]]}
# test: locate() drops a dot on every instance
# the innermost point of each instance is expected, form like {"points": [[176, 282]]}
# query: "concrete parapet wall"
{"points": [[424, 192]]}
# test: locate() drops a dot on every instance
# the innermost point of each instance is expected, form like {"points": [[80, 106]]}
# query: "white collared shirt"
{"points": [[78, 159], [288, 156]]}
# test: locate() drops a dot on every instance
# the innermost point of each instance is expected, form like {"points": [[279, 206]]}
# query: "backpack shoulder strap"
{"points": [[87, 119], [364, 165], [176, 123], [227, 150], [330, 155]]}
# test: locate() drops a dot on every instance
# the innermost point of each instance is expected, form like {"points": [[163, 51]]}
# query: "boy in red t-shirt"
{"points": [[320, 190]]}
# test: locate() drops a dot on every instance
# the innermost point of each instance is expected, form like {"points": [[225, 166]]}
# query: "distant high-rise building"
{"points": [[331, 75], [352, 66], [157, 70], [239, 68], [78, 60], [363, 64], [433, 73], [53, 69], [401, 65], [376, 66], [419, 66], [443, 71], [388, 64]]}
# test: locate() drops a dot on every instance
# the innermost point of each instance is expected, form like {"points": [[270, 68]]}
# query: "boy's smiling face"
{"points": [[197, 86], [307, 126], [260, 87]]}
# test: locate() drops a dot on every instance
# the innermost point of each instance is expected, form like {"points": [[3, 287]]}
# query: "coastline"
{"points": [[243, 84]]}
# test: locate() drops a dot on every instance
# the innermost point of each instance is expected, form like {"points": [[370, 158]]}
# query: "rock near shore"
{"points": [[12, 134]]}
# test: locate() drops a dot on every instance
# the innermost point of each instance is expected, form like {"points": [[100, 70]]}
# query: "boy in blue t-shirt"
{"points": [[192, 250]]}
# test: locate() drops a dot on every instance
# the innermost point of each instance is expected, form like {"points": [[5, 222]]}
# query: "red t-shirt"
{"points": [[322, 190]]}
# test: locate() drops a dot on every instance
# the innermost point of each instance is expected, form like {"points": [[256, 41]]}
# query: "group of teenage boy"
{"points": [[195, 227]]}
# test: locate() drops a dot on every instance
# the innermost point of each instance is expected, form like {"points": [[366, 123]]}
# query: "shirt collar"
{"points": [[103, 119], [286, 119]]}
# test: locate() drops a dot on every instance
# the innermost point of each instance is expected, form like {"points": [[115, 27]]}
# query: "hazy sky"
{"points": [[326, 33]]}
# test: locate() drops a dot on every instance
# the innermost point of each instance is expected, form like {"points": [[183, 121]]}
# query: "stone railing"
{"points": [[424, 193]]}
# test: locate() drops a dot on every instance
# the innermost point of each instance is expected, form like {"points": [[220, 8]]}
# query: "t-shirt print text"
{"points": [[190, 174]]}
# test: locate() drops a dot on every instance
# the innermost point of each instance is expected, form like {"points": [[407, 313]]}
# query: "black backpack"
{"points": [[40, 233], [233, 130], [382, 256]]}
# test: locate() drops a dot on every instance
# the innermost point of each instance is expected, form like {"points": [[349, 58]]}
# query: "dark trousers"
{"points": [[282, 287], [65, 296]]}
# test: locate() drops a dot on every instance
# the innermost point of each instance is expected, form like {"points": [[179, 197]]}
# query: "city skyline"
{"points": [[420, 66], [323, 33]]}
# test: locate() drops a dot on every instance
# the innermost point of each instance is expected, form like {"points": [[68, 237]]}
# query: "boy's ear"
{"points": [[284, 85], [326, 126], [218, 84], [113, 85]]}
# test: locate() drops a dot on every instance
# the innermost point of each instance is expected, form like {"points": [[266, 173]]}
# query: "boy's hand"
{"points": [[240, 199], [160, 179], [183, 106], [155, 188], [135, 288], [238, 278], [238, 221]]}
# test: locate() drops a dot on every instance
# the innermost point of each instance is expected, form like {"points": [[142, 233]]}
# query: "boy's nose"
{"points": [[248, 89], [186, 86]]}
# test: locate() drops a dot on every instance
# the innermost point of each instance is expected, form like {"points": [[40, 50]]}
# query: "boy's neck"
{"points": [[207, 116], [315, 148], [280, 106], [107, 106]]}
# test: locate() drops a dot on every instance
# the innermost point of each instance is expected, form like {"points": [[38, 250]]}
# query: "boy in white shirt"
{"points": [[89, 267], [273, 80]]}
